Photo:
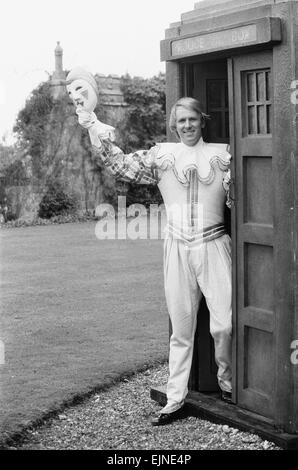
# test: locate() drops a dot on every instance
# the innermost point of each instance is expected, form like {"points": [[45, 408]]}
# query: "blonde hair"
{"points": [[188, 103]]}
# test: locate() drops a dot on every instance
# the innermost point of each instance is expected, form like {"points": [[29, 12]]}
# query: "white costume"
{"points": [[194, 184], [197, 257]]}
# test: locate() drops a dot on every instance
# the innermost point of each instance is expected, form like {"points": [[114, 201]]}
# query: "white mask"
{"points": [[82, 94]]}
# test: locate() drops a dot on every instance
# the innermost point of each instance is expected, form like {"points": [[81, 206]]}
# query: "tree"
{"points": [[145, 122], [8, 155], [32, 125], [46, 129]]}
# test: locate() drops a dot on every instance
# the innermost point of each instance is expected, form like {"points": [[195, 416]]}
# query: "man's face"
{"points": [[82, 94], [188, 126]]}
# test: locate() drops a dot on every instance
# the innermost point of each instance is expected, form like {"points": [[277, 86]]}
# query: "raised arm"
{"points": [[138, 167]]}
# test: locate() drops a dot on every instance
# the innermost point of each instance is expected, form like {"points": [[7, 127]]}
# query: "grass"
{"points": [[76, 313]]}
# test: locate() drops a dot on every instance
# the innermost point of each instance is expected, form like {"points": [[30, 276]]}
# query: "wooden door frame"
{"points": [[230, 64]]}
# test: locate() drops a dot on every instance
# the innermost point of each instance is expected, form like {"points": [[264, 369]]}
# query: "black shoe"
{"points": [[226, 396], [167, 418]]}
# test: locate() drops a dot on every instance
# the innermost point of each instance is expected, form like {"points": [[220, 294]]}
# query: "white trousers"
{"points": [[189, 273]]}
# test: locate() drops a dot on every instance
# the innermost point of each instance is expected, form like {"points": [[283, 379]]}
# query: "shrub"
{"points": [[56, 202], [10, 216]]}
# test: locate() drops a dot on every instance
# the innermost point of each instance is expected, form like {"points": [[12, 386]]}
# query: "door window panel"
{"points": [[257, 103]]}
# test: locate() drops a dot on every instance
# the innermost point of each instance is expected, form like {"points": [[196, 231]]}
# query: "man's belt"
{"points": [[192, 237]]}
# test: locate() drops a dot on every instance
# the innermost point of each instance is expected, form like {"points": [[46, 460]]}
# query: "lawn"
{"points": [[76, 312]]}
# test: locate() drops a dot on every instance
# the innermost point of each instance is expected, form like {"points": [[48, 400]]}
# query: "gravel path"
{"points": [[119, 418]]}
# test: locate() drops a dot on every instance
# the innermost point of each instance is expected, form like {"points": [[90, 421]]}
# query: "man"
{"points": [[193, 178]]}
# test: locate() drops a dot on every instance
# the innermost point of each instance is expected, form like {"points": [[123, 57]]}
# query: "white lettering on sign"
{"points": [[215, 41]]}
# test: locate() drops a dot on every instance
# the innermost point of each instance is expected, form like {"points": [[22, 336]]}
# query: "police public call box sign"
{"points": [[215, 41], [262, 31]]}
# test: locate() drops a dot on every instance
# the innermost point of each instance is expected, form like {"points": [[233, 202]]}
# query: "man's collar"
{"points": [[200, 143]]}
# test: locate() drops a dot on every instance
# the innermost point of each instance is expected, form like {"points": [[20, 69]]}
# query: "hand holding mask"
{"points": [[85, 118]]}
